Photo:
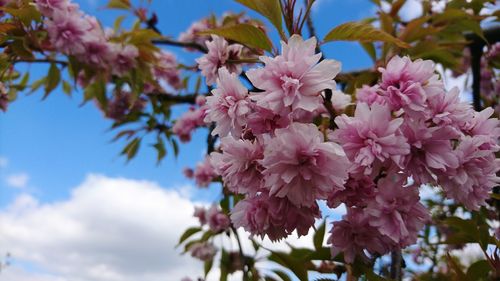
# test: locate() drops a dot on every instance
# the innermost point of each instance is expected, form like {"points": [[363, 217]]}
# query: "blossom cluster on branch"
{"points": [[406, 131]]}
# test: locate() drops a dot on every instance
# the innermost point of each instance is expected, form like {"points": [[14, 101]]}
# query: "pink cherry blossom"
{"points": [[357, 193], [67, 31], [166, 69], [216, 219], [299, 165], [188, 122], [273, 216], [407, 84], [353, 234], [475, 175], [447, 109], [294, 79], [370, 136], [124, 58], [201, 214], [203, 251], [188, 173], [431, 150], [219, 52], [369, 95], [396, 210], [239, 166], [228, 105], [47, 7], [262, 120], [340, 100], [190, 35], [204, 173]]}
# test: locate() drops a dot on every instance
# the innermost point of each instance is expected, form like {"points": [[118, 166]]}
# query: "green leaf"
{"points": [[53, 79], [478, 271], [362, 32], [188, 233], [118, 4], [270, 9], [25, 14], [296, 266], [319, 236], [67, 87], [208, 266], [160, 148], [245, 34], [131, 149], [370, 50]]}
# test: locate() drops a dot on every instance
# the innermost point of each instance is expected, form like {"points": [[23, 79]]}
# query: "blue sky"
{"points": [[60, 176]]}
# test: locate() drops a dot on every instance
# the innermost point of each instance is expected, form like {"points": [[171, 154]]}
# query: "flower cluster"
{"points": [[217, 221], [74, 33], [407, 130], [269, 151]]}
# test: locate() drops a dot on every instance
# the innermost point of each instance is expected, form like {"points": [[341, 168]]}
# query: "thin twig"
{"points": [[171, 42]]}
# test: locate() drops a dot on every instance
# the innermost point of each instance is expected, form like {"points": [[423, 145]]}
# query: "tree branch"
{"points": [[171, 42], [63, 63]]}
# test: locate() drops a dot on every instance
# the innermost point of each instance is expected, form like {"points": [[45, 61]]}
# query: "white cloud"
{"points": [[19, 180], [411, 9], [111, 229], [3, 162]]}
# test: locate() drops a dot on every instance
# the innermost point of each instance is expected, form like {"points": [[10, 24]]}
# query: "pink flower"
{"points": [[47, 7], [166, 69], [216, 219], [357, 193], [294, 79], [201, 214], [124, 58], [482, 125], [475, 175], [273, 216], [188, 173], [447, 109], [299, 165], [186, 124], [353, 234], [219, 52], [67, 31], [204, 173], [262, 120], [239, 166], [431, 150], [228, 106], [97, 53], [369, 95], [200, 100], [396, 211], [371, 136], [203, 251], [407, 84], [191, 35], [123, 104], [340, 100]]}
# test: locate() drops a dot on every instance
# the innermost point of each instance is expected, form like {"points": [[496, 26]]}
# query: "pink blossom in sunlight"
{"points": [[239, 166], [273, 216], [204, 173], [299, 165], [396, 210], [219, 52], [228, 105], [295, 78], [371, 136]]}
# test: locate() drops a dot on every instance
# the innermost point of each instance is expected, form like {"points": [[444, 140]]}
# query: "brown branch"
{"points": [[171, 42], [166, 97], [63, 63]]}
